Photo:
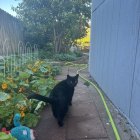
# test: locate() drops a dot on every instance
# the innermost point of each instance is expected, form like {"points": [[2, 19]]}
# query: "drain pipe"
{"points": [[105, 104]]}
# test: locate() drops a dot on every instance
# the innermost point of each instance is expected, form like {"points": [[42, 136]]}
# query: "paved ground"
{"points": [[86, 119], [83, 120]]}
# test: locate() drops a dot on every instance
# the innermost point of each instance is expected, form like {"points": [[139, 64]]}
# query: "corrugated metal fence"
{"points": [[115, 53], [11, 32]]}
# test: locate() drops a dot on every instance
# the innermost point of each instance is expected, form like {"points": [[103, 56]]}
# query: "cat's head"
{"points": [[72, 80]]}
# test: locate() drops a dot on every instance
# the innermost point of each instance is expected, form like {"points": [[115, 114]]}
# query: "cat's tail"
{"points": [[40, 98]]}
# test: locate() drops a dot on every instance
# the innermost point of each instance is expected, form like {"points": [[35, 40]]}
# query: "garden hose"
{"points": [[82, 67], [117, 136]]}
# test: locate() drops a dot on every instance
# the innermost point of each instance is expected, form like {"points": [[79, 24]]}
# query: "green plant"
{"points": [[78, 53], [37, 77], [45, 54], [71, 19], [86, 84], [10, 106], [65, 57], [4, 136], [30, 120]]}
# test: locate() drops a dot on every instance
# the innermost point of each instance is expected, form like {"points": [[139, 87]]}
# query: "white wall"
{"points": [[115, 53]]}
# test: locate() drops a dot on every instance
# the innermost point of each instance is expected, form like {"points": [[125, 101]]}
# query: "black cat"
{"points": [[60, 97]]}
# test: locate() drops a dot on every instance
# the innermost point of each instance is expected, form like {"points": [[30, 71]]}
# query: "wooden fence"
{"points": [[11, 33]]}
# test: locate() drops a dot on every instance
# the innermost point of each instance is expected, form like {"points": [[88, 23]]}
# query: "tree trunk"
{"points": [[57, 41]]}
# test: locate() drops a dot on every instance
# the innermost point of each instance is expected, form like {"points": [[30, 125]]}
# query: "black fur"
{"points": [[60, 97]]}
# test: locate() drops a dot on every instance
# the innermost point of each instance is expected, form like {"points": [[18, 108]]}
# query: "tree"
{"points": [[57, 22], [84, 43]]}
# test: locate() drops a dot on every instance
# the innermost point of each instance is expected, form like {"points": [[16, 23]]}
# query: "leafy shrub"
{"points": [[4, 136], [65, 57], [56, 70], [45, 54], [78, 54], [38, 77]]}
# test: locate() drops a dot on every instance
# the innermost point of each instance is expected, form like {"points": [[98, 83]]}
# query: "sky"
{"points": [[7, 4]]}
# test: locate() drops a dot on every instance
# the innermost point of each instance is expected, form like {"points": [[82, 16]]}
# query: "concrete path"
{"points": [[86, 119]]}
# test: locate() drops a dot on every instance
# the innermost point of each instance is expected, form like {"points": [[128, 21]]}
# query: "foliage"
{"points": [[78, 53], [84, 42], [45, 54], [56, 22], [37, 76], [65, 57], [16, 104], [30, 120], [4, 136], [86, 83]]}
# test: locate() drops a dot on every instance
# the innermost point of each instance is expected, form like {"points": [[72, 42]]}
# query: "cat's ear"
{"points": [[77, 75]]}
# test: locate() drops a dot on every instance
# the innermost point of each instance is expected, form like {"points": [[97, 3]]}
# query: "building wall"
{"points": [[115, 53], [11, 32]]}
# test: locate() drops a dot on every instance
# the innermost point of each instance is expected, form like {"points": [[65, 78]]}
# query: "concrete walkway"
{"points": [[84, 120]]}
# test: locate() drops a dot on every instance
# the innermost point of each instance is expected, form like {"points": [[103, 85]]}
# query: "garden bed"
{"points": [[38, 76]]}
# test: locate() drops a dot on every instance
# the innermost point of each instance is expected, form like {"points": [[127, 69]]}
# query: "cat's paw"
{"points": [[60, 123]]}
